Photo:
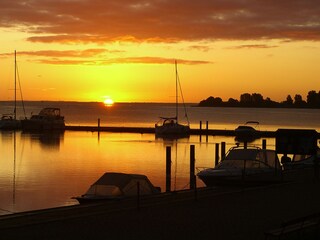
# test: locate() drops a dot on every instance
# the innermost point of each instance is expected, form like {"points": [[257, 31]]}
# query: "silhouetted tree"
{"points": [[289, 100], [313, 99], [233, 102], [245, 98], [257, 98], [298, 101]]}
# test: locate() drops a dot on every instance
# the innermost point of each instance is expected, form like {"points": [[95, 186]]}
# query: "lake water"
{"points": [[40, 171]]}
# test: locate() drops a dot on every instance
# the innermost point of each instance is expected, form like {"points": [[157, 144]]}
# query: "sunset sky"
{"points": [[89, 50]]}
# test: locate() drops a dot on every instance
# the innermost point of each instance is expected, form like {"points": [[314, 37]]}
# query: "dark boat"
{"points": [[47, 119], [114, 186], [247, 132]]}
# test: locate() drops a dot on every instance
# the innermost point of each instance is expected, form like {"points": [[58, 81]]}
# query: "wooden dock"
{"points": [[209, 132]]}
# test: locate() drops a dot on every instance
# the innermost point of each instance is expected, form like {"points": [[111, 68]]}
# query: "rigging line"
{"points": [[184, 105], [24, 110]]}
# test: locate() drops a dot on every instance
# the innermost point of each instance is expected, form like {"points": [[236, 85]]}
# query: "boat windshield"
{"points": [[254, 158]]}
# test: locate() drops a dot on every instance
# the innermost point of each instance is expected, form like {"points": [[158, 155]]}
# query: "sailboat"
{"points": [[170, 126], [9, 121]]}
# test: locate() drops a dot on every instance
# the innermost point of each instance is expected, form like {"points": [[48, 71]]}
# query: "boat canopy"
{"points": [[50, 112], [235, 157], [121, 184]]}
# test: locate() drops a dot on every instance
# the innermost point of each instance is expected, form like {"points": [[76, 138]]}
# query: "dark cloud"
{"points": [[103, 21], [90, 57], [252, 46], [127, 60]]}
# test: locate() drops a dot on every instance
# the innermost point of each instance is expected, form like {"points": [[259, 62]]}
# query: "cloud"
{"points": [[94, 56], [64, 53], [252, 46], [99, 21], [126, 60]]}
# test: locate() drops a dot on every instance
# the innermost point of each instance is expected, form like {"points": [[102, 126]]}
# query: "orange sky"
{"points": [[89, 50]]}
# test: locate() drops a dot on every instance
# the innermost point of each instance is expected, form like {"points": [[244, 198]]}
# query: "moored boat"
{"points": [[247, 132], [113, 186], [9, 121], [244, 165], [169, 127], [47, 119]]}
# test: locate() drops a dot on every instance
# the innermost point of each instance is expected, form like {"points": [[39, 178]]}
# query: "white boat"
{"points": [[9, 121], [300, 161], [247, 132], [112, 186], [244, 165], [47, 119], [170, 126]]}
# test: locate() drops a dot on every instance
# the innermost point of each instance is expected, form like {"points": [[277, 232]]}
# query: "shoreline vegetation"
{"points": [[256, 100]]}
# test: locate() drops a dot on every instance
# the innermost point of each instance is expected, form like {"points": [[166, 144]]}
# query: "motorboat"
{"points": [[170, 127], [247, 132], [48, 119], [248, 165], [300, 161], [115, 186]]}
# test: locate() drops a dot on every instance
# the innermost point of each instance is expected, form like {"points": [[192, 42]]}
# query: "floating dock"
{"points": [[209, 132]]}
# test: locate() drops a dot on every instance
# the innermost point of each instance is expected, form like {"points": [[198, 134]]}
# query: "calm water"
{"points": [[40, 171]]}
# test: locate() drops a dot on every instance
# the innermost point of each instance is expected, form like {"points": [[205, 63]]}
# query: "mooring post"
{"points": [[138, 195], [245, 145], [264, 144], [98, 124], [223, 150], [217, 154], [168, 169], [200, 127], [207, 128], [192, 165]]}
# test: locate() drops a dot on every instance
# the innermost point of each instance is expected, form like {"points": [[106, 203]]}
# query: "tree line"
{"points": [[257, 100]]}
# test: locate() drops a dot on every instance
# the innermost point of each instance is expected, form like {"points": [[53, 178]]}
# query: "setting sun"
{"points": [[108, 102]]}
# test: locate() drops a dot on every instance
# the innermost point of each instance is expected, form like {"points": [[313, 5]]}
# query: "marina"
{"points": [[70, 161]]}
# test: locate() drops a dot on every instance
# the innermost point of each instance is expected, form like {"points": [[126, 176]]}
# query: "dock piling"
{"points": [[217, 154], [192, 166], [168, 169], [223, 150], [264, 144]]}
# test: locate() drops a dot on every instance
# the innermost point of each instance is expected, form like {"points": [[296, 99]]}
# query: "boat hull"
{"points": [[234, 180]]}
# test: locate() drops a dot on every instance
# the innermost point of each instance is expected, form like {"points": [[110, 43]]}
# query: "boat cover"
{"points": [[121, 184]]}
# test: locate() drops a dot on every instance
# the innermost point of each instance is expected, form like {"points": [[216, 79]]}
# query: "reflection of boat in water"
{"points": [[112, 186], [170, 126], [249, 165], [47, 119], [247, 132]]}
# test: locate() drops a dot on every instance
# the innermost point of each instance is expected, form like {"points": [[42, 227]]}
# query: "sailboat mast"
{"points": [[176, 89], [15, 85]]}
